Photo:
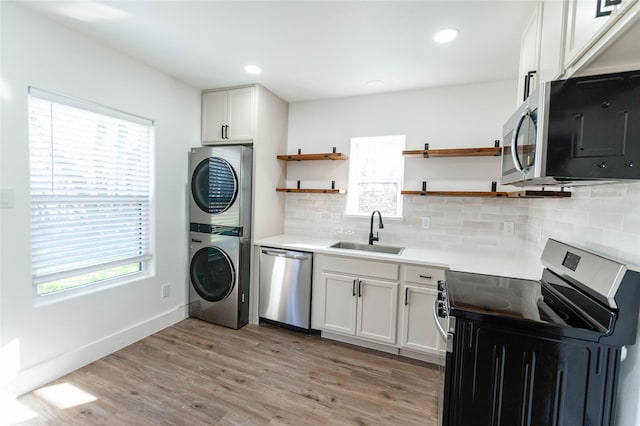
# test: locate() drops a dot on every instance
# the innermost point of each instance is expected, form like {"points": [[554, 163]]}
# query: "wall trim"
{"points": [[65, 363]]}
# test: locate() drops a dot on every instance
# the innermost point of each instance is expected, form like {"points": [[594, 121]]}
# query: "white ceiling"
{"points": [[308, 49]]}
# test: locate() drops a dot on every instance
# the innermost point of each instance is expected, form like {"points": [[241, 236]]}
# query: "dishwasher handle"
{"points": [[286, 254]]}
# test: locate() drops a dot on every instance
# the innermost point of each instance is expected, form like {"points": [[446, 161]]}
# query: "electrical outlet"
{"points": [[166, 291], [6, 198], [508, 228], [426, 222]]}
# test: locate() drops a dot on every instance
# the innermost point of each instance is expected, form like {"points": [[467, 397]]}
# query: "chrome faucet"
{"points": [[380, 226]]}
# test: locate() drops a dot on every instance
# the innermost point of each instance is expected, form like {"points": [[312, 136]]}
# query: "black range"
{"points": [[538, 352]]}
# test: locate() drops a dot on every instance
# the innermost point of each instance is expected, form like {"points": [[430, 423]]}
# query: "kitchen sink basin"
{"points": [[348, 245]]}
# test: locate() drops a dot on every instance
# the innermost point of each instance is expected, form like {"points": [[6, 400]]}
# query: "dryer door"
{"points": [[214, 185], [212, 274]]}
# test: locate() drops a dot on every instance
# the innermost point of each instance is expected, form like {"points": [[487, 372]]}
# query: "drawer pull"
{"points": [[426, 277]]}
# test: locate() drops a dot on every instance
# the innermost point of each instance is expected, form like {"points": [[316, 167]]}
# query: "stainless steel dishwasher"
{"points": [[285, 287]]}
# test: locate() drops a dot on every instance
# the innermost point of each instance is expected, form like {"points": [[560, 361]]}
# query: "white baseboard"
{"points": [[359, 342], [45, 372], [421, 356]]}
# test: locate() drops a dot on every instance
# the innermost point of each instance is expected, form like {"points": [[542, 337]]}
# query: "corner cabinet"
{"points": [[228, 115], [355, 303]]}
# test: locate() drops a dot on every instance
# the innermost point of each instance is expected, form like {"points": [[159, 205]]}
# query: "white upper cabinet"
{"points": [[228, 115], [591, 26], [542, 47], [563, 37], [584, 24], [552, 35], [529, 54]]}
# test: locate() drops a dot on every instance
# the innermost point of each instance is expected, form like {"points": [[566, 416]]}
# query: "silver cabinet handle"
{"points": [[435, 318], [426, 277]]}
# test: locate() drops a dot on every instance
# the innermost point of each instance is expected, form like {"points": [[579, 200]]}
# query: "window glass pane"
{"points": [[90, 193], [375, 175], [381, 196]]}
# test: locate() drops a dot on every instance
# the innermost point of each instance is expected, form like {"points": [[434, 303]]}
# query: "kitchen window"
{"points": [[375, 175], [90, 169]]}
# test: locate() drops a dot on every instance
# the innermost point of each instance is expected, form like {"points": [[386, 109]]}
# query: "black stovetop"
{"points": [[546, 302]]}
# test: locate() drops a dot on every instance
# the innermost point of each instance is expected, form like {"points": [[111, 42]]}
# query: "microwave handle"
{"points": [[514, 141]]}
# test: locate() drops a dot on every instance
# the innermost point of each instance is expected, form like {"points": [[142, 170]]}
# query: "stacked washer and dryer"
{"points": [[220, 233]]}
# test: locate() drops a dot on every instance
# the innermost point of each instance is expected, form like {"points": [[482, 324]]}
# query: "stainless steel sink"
{"points": [[348, 245]]}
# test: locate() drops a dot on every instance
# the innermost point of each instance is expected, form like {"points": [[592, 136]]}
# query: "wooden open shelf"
{"points": [[312, 191], [309, 157], [494, 194], [456, 152]]}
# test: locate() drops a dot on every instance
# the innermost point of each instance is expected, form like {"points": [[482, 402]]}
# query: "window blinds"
{"points": [[90, 187]]}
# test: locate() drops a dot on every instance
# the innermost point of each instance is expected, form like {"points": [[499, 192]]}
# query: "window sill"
{"points": [[85, 290], [368, 216]]}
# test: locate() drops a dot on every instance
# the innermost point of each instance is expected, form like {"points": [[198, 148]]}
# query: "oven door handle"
{"points": [[437, 320]]}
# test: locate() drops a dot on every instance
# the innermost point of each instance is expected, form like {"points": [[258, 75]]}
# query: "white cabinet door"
{"points": [[529, 53], [340, 303], [214, 111], [551, 56], [240, 114], [419, 330], [228, 115], [377, 310], [583, 28]]}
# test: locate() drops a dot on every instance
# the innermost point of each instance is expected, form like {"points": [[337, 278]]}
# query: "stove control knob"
{"points": [[442, 295], [443, 311], [441, 285]]}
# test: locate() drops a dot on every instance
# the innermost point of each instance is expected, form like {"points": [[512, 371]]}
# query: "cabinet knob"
{"points": [[602, 164]]}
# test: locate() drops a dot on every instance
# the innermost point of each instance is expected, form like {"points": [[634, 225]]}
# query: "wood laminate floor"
{"points": [[196, 373]]}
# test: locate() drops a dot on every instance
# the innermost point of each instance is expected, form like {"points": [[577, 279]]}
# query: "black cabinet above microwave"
{"points": [[579, 131]]}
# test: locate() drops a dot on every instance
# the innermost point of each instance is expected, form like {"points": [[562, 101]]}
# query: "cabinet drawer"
{"points": [[422, 274], [360, 267]]}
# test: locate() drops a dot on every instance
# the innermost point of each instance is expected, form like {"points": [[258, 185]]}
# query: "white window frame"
{"points": [[74, 181], [352, 208]]}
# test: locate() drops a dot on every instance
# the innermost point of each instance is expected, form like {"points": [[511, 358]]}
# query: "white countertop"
{"points": [[513, 264]]}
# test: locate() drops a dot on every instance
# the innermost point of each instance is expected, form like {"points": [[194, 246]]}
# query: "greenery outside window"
{"points": [[376, 170]]}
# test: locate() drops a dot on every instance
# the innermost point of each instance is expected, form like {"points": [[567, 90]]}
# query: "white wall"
{"points": [[602, 218], [446, 117], [40, 341]]}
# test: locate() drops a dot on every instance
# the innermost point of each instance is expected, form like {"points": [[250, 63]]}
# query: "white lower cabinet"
{"points": [[419, 332], [362, 302], [360, 307]]}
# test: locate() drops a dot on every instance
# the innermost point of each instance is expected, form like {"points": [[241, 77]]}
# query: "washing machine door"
{"points": [[214, 185], [212, 274]]}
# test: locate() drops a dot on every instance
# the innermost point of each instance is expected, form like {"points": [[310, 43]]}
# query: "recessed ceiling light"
{"points": [[375, 83], [252, 69], [446, 35]]}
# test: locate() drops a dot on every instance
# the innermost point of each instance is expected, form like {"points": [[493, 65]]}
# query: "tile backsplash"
{"points": [[602, 218]]}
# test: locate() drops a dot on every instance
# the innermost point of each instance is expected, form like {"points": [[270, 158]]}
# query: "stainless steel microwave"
{"points": [[579, 131]]}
